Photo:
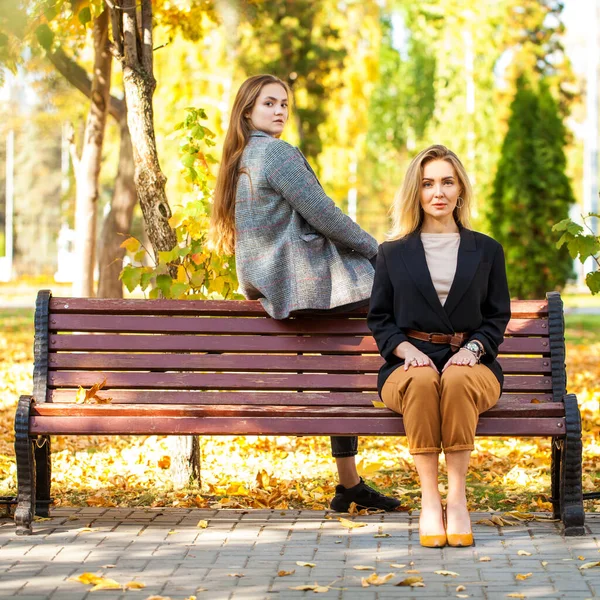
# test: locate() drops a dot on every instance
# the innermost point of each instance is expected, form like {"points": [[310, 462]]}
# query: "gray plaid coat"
{"points": [[295, 249]]}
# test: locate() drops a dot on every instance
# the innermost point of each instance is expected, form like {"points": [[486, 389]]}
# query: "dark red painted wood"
{"points": [[258, 381], [273, 426], [237, 325], [249, 363], [521, 309], [256, 398], [250, 343], [518, 411]]}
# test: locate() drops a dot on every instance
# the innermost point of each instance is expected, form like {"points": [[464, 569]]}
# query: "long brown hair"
{"points": [[222, 232], [407, 214]]}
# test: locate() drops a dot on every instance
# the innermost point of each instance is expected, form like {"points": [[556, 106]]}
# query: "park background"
{"points": [[510, 85]]}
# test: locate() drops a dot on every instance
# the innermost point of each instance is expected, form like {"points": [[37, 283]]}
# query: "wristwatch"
{"points": [[475, 348]]}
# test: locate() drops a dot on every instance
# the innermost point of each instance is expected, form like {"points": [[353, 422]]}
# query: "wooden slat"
{"points": [[249, 363], [250, 343], [237, 325], [273, 426], [521, 309], [516, 410], [258, 381], [256, 398]]}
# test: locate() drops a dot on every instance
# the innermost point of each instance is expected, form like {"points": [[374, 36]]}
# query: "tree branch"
{"points": [[77, 76], [130, 35], [147, 59]]}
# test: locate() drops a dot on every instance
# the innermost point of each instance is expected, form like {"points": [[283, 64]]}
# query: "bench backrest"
{"points": [[167, 351]]}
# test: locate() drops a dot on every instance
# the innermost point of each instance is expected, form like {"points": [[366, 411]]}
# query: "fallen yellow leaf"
{"points": [[305, 564], [375, 579], [134, 585], [86, 578], [460, 588], [523, 553], [412, 571], [164, 462], [485, 559], [363, 568], [305, 588], [411, 581], [382, 535], [446, 573], [589, 565], [106, 584], [397, 566], [364, 582], [544, 563], [462, 595], [515, 595], [285, 573], [523, 576], [581, 557], [202, 524], [351, 524], [236, 575]]}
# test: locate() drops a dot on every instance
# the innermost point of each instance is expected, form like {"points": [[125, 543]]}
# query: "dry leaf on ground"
{"points": [[446, 573], [285, 573], [106, 584], [516, 595], [523, 576], [375, 579], [363, 568], [382, 535], [202, 524], [411, 581], [485, 559], [523, 553], [134, 585], [460, 588], [589, 565], [305, 564], [397, 566], [351, 524]]}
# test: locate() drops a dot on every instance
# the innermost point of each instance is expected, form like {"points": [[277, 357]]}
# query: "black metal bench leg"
{"points": [[43, 474], [571, 496], [26, 471], [557, 451]]}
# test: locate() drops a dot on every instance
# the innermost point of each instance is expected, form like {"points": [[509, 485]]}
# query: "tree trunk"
{"points": [[117, 223], [149, 179], [87, 168]]}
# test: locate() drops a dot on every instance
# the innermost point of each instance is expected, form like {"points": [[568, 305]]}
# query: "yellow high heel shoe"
{"points": [[433, 541], [460, 539], [457, 540]]}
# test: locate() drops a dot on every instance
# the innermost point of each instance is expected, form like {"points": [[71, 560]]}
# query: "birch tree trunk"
{"points": [[87, 167], [132, 35]]}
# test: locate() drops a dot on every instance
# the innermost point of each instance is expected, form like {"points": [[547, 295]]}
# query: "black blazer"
{"points": [[404, 297]]}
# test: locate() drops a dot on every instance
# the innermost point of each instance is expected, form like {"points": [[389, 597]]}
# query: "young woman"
{"points": [[439, 308], [295, 250]]}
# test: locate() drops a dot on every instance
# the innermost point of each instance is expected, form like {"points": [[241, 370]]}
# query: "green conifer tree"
{"points": [[531, 192]]}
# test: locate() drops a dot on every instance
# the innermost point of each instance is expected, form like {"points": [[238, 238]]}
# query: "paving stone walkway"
{"points": [[239, 554]]}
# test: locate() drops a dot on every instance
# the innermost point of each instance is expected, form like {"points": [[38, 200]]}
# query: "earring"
{"points": [[462, 201]]}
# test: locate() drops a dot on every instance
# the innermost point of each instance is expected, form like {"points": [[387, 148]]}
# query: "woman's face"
{"points": [[440, 190], [270, 111]]}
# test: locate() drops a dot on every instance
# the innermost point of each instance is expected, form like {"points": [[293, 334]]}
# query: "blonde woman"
{"points": [[439, 308], [295, 250]]}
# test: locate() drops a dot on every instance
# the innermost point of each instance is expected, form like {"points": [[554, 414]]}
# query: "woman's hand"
{"points": [[462, 358], [413, 357]]}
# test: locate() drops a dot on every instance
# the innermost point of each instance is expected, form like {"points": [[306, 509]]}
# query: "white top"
{"points": [[441, 253]]}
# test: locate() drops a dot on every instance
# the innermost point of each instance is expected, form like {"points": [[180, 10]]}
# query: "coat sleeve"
{"points": [[381, 320], [288, 175], [495, 309]]}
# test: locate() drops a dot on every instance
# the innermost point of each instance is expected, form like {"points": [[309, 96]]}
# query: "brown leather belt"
{"points": [[456, 340]]}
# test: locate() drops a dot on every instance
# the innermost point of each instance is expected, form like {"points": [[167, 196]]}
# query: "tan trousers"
{"points": [[441, 410]]}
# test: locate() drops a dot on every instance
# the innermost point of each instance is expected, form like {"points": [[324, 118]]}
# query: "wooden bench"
{"points": [[226, 368]]}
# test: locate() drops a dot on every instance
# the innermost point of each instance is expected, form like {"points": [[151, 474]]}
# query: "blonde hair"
{"points": [[407, 214], [222, 222]]}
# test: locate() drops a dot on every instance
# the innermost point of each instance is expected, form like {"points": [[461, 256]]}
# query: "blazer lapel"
{"points": [[416, 265], [468, 261]]}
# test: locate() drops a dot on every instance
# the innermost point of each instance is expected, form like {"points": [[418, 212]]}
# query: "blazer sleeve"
{"points": [[288, 175], [495, 309], [380, 319]]}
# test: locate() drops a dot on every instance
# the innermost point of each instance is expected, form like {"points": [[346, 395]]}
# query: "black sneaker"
{"points": [[364, 496]]}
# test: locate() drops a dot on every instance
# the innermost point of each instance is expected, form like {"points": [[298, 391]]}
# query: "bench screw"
{"points": [[560, 425]]}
